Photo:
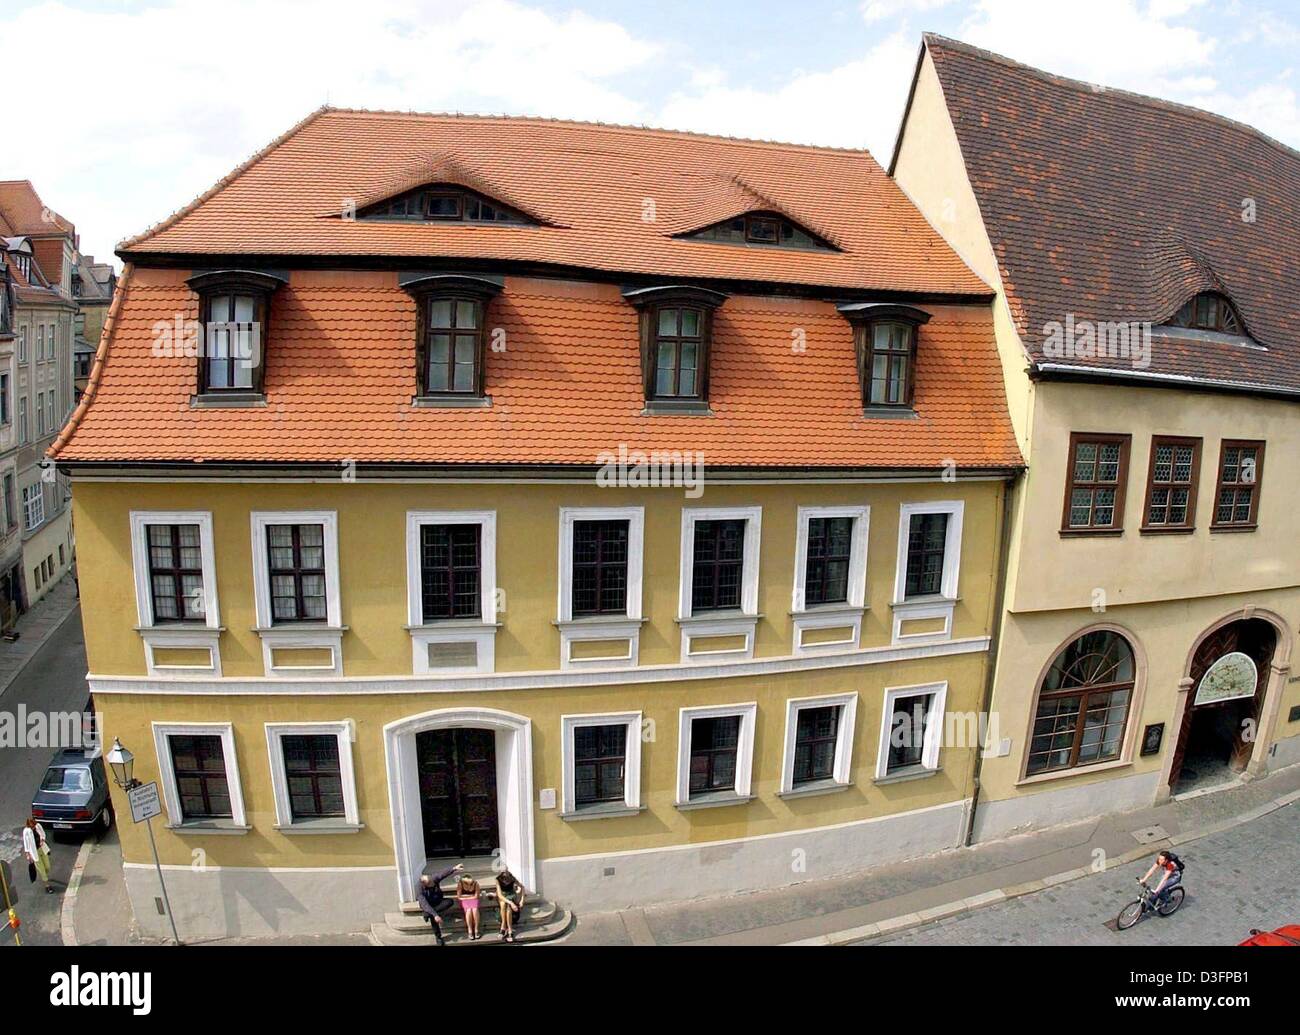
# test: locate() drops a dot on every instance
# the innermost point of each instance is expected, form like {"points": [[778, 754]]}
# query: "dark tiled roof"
{"points": [[1115, 207]]}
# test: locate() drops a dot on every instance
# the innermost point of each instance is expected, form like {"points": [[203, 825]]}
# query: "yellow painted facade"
{"points": [[378, 686]]}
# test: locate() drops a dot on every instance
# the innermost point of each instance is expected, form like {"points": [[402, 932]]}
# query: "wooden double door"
{"points": [[458, 791]]}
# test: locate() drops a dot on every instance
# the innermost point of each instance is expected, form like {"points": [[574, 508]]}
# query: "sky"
{"points": [[134, 107]]}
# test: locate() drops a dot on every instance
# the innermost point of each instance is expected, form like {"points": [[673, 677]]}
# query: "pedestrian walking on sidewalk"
{"points": [[434, 905], [37, 850]]}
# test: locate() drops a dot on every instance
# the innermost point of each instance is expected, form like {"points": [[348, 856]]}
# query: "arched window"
{"points": [[1208, 312], [1083, 704]]}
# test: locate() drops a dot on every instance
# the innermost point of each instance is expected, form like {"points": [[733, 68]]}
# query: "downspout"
{"points": [[995, 642]]}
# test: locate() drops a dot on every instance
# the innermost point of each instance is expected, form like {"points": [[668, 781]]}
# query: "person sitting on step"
{"points": [[433, 903]]}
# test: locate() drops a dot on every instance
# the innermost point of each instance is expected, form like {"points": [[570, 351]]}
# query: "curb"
{"points": [[908, 921], [67, 929]]}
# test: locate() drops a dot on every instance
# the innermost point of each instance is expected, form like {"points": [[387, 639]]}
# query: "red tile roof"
{"points": [[1117, 207], [340, 376], [612, 197], [25, 211]]}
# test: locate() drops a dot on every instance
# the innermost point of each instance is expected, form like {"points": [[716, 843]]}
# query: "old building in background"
{"points": [[1144, 255], [93, 284], [620, 504], [36, 396]]}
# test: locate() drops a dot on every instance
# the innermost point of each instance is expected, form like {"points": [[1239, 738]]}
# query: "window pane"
{"points": [[440, 312]]}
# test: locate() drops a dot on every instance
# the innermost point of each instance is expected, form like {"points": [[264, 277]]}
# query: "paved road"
{"points": [[55, 680], [1244, 877]]}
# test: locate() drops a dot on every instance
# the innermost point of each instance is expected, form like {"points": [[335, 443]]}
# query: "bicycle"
{"points": [[1135, 911]]}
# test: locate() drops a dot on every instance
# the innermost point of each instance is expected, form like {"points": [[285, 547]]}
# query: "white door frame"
{"points": [[514, 757]]}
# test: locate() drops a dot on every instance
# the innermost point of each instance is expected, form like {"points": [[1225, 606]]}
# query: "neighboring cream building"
{"points": [[1144, 256]]}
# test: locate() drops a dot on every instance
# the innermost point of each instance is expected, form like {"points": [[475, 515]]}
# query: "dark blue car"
{"points": [[73, 796]]}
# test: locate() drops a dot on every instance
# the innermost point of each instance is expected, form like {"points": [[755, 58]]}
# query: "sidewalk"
{"points": [[829, 912], [34, 627], [893, 898]]}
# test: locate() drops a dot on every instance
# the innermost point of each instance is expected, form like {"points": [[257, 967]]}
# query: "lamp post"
{"points": [[122, 762]]}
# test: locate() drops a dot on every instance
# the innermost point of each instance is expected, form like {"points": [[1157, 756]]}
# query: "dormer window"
{"points": [[676, 339], [445, 204], [234, 308], [1209, 312], [886, 343], [761, 228], [451, 337]]}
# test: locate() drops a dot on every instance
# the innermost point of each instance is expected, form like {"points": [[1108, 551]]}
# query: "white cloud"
{"points": [[149, 108], [879, 10], [857, 104]]}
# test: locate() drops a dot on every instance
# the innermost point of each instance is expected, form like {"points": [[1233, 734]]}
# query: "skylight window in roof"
{"points": [[761, 228], [444, 205]]}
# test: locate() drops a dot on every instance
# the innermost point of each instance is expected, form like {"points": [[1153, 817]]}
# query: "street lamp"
{"points": [[122, 763]]}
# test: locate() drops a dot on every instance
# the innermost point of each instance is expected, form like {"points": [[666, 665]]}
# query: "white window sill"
{"points": [[827, 616], [475, 638], [913, 772], [182, 636], [596, 628], [721, 624], [206, 827], [320, 827], [815, 788], [302, 636], [601, 812], [1079, 770], [715, 801]]}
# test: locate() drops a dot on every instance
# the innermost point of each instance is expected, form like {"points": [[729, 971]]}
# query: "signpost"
{"points": [[144, 806]]}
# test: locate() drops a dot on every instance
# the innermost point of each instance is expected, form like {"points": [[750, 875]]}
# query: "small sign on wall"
{"points": [[1152, 737], [546, 798]]}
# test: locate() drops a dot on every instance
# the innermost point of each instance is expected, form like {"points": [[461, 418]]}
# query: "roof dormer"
{"points": [[444, 203], [1209, 311], [762, 228]]}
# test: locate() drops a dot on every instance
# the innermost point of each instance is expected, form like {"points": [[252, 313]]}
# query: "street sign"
{"points": [[144, 802]]}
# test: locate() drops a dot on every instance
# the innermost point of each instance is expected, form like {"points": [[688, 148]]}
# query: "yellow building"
{"points": [[633, 523], [1148, 346]]}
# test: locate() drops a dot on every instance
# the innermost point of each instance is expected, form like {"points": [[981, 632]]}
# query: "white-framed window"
{"points": [[601, 772], [33, 505], [601, 559], [22, 344], [718, 590], [40, 342], [451, 590], [818, 752], [911, 731], [174, 564], [830, 578], [24, 431], [40, 414], [926, 574], [313, 777], [715, 755], [199, 772], [296, 591]]}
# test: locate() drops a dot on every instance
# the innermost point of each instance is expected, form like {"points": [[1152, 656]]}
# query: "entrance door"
{"points": [[458, 791], [1217, 737]]}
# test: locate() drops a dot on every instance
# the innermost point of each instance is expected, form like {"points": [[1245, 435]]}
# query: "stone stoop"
{"points": [[542, 920]]}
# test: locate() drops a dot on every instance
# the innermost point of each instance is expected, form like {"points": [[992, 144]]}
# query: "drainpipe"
{"points": [[995, 642]]}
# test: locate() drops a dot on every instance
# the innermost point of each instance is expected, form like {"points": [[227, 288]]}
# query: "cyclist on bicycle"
{"points": [[1171, 875]]}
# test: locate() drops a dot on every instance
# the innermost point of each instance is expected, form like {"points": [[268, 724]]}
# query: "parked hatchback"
{"points": [[73, 796]]}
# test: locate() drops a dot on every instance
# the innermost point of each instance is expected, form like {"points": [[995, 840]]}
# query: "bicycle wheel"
{"points": [[1170, 906], [1129, 915]]}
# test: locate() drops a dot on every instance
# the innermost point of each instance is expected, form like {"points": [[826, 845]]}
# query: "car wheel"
{"points": [[105, 823]]}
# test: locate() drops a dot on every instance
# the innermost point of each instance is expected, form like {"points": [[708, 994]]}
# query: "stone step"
{"points": [[405, 922], [454, 934]]}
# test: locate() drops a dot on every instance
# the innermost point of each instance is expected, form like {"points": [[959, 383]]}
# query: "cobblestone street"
{"points": [[1248, 876]]}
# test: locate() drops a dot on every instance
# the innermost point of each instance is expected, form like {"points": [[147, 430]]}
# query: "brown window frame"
{"points": [[710, 753], [604, 741], [805, 770], [1116, 527], [1192, 485], [297, 571], [209, 286], [820, 558], [1086, 691], [427, 332], [649, 303], [176, 572], [867, 353], [314, 773], [1219, 485], [609, 576], [429, 600], [677, 340], [1222, 306], [202, 775], [715, 564]]}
